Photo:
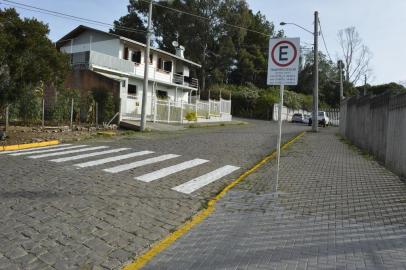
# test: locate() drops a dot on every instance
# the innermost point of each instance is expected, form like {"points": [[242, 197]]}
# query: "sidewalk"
{"points": [[340, 210]]}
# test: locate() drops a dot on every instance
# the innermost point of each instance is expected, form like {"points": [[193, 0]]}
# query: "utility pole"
{"points": [[146, 64], [315, 121], [340, 67], [365, 85]]}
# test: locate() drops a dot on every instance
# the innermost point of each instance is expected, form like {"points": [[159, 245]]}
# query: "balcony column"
{"points": [[176, 94]]}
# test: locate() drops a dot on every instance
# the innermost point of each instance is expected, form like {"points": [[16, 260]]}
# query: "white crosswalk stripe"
{"points": [[69, 152], [205, 179], [48, 150], [112, 159], [33, 149], [94, 154], [140, 163], [170, 170]]}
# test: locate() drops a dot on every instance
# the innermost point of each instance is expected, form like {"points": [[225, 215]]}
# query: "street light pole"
{"points": [[146, 64], [315, 122], [340, 67]]}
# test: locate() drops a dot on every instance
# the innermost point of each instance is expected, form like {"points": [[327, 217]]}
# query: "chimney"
{"points": [[180, 51]]}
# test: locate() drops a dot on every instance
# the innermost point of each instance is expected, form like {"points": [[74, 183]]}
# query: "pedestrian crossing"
{"points": [[171, 170], [104, 157], [22, 152]]}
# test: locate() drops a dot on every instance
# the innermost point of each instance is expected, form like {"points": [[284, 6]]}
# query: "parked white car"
{"points": [[322, 118], [297, 118], [306, 118]]}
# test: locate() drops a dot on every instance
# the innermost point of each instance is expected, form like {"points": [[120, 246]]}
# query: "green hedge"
{"points": [[253, 102]]}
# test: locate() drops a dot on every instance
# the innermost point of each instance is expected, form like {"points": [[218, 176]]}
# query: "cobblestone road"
{"points": [[339, 210], [58, 211]]}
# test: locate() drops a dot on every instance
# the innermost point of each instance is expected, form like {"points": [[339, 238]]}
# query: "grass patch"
{"points": [[355, 148]]}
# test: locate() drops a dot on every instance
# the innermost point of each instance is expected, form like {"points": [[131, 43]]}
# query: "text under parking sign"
{"points": [[283, 61]]}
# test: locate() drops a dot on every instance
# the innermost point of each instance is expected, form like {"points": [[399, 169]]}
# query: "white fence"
{"points": [[183, 112], [287, 113], [180, 111]]}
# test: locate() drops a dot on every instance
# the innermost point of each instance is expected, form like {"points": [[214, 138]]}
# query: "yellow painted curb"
{"points": [[199, 217], [27, 145]]}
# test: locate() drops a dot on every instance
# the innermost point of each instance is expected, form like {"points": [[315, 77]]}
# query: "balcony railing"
{"points": [[87, 59], [184, 80]]}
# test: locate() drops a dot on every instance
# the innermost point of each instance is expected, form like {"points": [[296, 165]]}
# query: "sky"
{"points": [[381, 24]]}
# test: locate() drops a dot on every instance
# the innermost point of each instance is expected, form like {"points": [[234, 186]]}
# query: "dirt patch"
{"points": [[20, 135]]}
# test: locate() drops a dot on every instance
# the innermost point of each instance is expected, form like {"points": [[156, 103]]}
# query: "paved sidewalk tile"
{"points": [[338, 210]]}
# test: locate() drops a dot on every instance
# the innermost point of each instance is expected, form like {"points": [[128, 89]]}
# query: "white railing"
{"points": [[111, 62], [101, 60], [180, 111]]}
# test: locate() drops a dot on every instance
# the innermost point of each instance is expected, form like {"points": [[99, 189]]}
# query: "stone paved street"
{"points": [[55, 215], [339, 210]]}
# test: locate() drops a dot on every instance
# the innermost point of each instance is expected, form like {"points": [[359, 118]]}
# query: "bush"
{"points": [[253, 102], [191, 116], [61, 111], [105, 104], [29, 107]]}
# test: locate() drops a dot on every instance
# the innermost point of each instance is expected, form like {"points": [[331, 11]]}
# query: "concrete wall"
{"points": [[287, 113], [378, 125]]}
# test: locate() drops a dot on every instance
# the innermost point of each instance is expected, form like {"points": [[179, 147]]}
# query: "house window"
{"points": [[164, 65], [159, 64], [136, 57], [132, 89], [162, 94], [168, 66], [151, 57], [125, 53]]}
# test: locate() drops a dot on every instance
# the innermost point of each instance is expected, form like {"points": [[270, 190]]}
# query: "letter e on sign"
{"points": [[283, 62]]}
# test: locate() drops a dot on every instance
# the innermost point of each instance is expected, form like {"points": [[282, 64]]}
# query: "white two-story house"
{"points": [[118, 62]]}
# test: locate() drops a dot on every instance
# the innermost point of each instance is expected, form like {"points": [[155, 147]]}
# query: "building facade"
{"points": [[172, 78]]}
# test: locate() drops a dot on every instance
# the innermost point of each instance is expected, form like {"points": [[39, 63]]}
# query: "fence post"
{"points": [[97, 115], [155, 108], [169, 111], [7, 120], [209, 107], [71, 115], [181, 111], [43, 112], [196, 108]]}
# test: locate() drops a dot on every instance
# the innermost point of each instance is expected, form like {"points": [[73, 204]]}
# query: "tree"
{"points": [[356, 55], [329, 91], [131, 26], [227, 54], [382, 88], [27, 57]]}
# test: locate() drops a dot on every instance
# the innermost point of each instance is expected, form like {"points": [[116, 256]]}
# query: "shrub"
{"points": [[62, 109], [105, 103], [191, 116]]}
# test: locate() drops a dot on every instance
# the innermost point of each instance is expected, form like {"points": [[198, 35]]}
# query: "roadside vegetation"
{"points": [[234, 63]]}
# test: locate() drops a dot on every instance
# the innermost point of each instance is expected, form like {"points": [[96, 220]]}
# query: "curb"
{"points": [[200, 216], [27, 145]]}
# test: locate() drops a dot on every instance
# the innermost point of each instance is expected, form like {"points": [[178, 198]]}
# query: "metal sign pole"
{"points": [[283, 69], [279, 138]]}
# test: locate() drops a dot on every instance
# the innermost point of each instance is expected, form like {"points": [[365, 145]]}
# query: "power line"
{"points": [[81, 19], [324, 42], [66, 16], [206, 19]]}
